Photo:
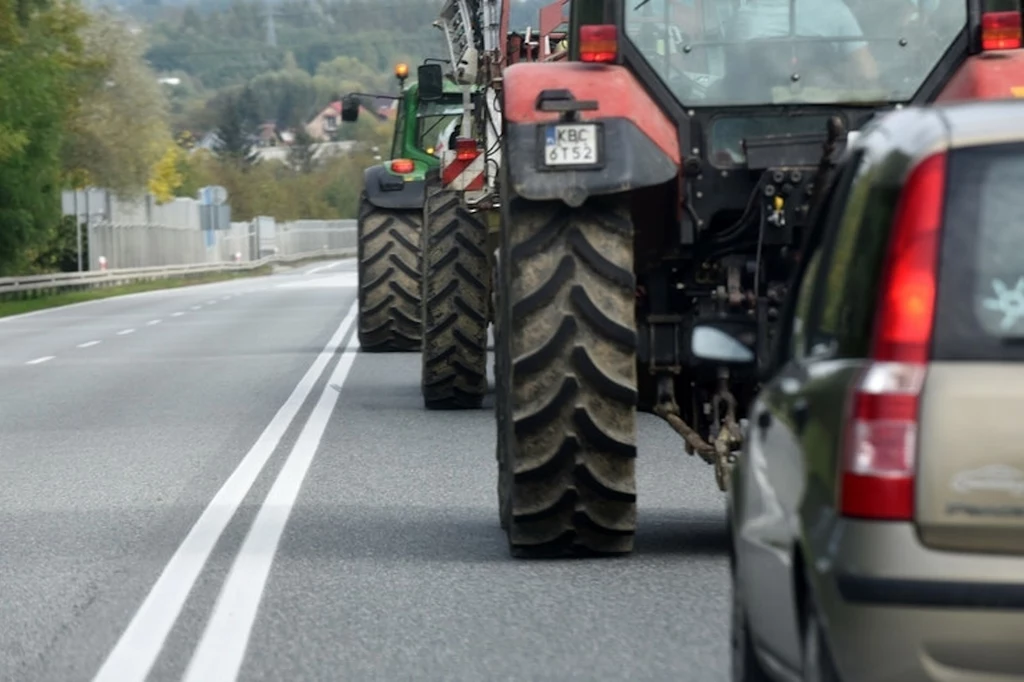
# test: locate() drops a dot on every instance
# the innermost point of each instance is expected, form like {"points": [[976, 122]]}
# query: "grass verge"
{"points": [[55, 300]]}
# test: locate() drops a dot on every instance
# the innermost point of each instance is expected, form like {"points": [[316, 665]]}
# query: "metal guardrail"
{"points": [[100, 278]]}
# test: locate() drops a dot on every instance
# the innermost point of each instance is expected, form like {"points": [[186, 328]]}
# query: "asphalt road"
{"points": [[212, 483]]}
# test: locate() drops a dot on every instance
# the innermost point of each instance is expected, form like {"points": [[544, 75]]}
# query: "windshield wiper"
{"points": [[642, 3]]}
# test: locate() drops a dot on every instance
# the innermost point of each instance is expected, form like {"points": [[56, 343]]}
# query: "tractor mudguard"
{"points": [[639, 144], [991, 75], [384, 189]]}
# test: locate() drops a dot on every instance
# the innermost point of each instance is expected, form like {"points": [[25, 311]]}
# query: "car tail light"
{"points": [[599, 43], [1001, 30], [466, 149], [881, 444], [403, 166]]}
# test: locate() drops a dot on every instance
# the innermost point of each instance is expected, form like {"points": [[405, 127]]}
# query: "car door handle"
{"points": [[800, 411]]}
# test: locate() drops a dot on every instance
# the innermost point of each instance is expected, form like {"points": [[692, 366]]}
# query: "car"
{"points": [[876, 509]]}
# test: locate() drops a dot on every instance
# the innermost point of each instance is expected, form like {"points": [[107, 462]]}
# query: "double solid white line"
{"points": [[221, 650]]}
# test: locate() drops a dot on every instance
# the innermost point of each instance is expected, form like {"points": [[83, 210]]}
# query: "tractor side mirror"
{"points": [[431, 82], [350, 109]]}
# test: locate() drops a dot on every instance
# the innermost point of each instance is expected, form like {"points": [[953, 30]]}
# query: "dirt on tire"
{"points": [[568, 354], [456, 303], [389, 278]]}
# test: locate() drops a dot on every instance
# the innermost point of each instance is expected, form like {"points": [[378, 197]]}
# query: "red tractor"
{"points": [[654, 191]]}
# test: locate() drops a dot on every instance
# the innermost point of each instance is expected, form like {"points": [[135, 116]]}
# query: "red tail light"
{"points": [[881, 446], [1001, 30], [466, 149], [402, 166], [599, 43]]}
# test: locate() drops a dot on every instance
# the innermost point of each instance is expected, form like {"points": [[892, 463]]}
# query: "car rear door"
{"points": [[787, 415], [970, 479]]}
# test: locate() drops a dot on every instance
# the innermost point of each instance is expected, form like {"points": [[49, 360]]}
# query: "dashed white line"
{"points": [[177, 314], [153, 322], [226, 298], [196, 307], [125, 331], [88, 344], [221, 649], [211, 303], [43, 359], [135, 653]]}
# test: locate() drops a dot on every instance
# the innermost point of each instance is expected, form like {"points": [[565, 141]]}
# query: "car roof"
{"points": [[919, 131]]}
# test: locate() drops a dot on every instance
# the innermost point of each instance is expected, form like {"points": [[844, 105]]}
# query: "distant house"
{"points": [[268, 136], [326, 124], [210, 141]]}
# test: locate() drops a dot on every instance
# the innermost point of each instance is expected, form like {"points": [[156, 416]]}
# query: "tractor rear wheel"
{"points": [[456, 302], [567, 354], [388, 245]]}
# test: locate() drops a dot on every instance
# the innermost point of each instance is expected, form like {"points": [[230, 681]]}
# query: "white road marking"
{"points": [[37, 361], [177, 314], [125, 331], [196, 307], [211, 303], [221, 650], [152, 322], [338, 280], [88, 344], [324, 267], [104, 301], [226, 298], [135, 653]]}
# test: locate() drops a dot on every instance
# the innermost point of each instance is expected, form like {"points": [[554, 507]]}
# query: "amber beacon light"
{"points": [[402, 71]]}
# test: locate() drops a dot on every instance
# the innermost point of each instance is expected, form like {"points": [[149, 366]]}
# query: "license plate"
{"points": [[571, 144]]}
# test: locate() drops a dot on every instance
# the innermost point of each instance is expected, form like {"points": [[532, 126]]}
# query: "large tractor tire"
{"points": [[456, 302], [567, 396], [388, 244]]}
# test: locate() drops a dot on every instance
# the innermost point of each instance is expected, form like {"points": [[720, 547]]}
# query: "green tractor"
{"points": [[390, 219]]}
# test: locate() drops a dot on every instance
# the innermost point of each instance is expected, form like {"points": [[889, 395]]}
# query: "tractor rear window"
{"points": [[721, 53], [980, 314], [727, 133]]}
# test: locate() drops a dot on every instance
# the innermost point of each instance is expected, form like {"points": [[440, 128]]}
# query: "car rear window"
{"points": [[980, 313]]}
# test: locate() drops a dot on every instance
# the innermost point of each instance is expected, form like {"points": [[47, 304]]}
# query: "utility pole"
{"points": [[271, 31]]}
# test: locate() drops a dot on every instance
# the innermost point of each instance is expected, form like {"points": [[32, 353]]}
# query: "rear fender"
{"points": [[639, 144], [388, 190], [987, 76]]}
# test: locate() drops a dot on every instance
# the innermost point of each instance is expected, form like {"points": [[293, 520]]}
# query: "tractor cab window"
{"points": [[762, 52], [398, 141], [438, 125]]}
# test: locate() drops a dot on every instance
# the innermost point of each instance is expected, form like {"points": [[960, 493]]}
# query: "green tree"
{"points": [[236, 129], [121, 129], [40, 59], [301, 153]]}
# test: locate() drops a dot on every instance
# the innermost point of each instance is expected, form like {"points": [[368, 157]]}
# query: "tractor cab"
{"points": [[398, 182], [762, 82]]}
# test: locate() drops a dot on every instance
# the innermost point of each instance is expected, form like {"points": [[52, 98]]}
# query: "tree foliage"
{"points": [[331, 191], [81, 103], [167, 177], [40, 56], [322, 52], [121, 129]]}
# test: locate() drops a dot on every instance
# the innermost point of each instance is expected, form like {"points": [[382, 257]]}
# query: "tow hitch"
{"points": [[721, 452]]}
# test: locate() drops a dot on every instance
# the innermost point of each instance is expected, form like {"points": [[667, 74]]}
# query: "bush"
{"points": [[330, 191]]}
